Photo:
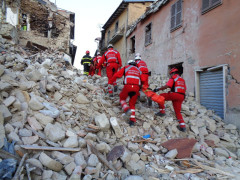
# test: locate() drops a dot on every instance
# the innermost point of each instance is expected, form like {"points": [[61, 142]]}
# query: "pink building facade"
{"points": [[202, 39]]}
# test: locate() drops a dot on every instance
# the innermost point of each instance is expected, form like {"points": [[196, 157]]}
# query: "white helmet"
{"points": [[110, 45], [137, 56], [131, 62]]}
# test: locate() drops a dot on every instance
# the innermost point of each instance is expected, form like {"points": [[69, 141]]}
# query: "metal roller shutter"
{"points": [[211, 91]]}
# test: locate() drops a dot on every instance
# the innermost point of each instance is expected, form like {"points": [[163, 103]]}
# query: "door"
{"points": [[212, 90]]}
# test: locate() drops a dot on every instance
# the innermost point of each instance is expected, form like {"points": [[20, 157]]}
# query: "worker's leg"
{"points": [[133, 99], [99, 71], [177, 104], [111, 70], [123, 96], [167, 97], [86, 69], [109, 75]]}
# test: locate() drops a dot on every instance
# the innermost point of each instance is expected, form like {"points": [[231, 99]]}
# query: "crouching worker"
{"points": [[132, 82], [176, 95]]}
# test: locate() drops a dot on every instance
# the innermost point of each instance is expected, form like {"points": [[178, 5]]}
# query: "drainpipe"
{"points": [[126, 47]]}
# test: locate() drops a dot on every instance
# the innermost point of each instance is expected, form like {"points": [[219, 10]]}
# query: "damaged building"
{"points": [[40, 24], [201, 38], [114, 30]]}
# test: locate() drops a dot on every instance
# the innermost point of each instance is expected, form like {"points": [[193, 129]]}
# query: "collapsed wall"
{"points": [[69, 128]]}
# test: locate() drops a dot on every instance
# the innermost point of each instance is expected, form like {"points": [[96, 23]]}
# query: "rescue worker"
{"points": [[86, 62], [96, 61], [176, 95], [145, 73], [132, 82], [113, 62]]}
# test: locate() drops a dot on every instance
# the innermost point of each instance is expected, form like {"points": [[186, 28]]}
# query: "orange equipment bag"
{"points": [[155, 97]]}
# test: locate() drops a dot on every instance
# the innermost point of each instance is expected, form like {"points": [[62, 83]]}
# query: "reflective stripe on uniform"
{"points": [[125, 106], [134, 77], [132, 116], [122, 102], [176, 78], [176, 88]]}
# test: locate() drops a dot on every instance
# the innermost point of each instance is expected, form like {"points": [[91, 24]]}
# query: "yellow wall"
{"points": [[128, 16]]}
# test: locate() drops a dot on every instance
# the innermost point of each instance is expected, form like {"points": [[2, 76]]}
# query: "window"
{"points": [[208, 5], [133, 44], [148, 34], [72, 28], [179, 66], [108, 36], [176, 15], [116, 27]]}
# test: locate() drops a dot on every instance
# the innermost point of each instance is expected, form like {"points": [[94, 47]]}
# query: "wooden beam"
{"points": [[214, 170], [47, 148]]}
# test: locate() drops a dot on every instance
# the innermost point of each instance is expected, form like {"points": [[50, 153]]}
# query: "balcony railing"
{"points": [[118, 34]]}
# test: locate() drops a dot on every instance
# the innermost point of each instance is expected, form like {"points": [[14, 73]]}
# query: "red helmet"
{"points": [[173, 70], [87, 52]]}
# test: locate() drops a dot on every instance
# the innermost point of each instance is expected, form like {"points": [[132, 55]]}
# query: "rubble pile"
{"points": [[63, 125]]}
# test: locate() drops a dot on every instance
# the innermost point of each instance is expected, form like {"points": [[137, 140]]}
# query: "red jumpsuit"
{"points": [[143, 68], [132, 81], [96, 61], [177, 95], [113, 60]]}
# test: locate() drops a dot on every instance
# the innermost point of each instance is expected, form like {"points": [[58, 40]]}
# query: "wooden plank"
{"points": [[144, 140], [214, 170], [47, 148], [35, 132], [94, 127], [19, 169]]}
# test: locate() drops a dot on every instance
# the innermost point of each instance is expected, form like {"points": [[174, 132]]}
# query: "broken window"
{"points": [[148, 34], [72, 32], [72, 28], [133, 44], [24, 22], [178, 66], [208, 5], [176, 15], [116, 27]]}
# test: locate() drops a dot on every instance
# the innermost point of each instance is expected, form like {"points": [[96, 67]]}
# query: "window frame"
{"points": [[174, 15], [211, 6], [133, 44], [116, 26], [148, 33], [108, 36]]}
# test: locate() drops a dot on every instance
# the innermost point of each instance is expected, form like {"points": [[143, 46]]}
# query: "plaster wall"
{"points": [[12, 16], [128, 16], [121, 44], [208, 39], [136, 10]]}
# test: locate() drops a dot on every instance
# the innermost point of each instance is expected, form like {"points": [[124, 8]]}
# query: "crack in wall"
{"points": [[232, 77]]}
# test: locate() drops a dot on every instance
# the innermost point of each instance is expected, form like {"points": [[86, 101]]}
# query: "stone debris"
{"points": [[44, 103]]}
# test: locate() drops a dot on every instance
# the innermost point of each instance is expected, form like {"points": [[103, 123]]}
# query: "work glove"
{"points": [[156, 90]]}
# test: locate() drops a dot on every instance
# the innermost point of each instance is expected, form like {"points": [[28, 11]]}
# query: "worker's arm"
{"points": [[168, 85], [119, 74], [101, 61], [161, 88]]}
